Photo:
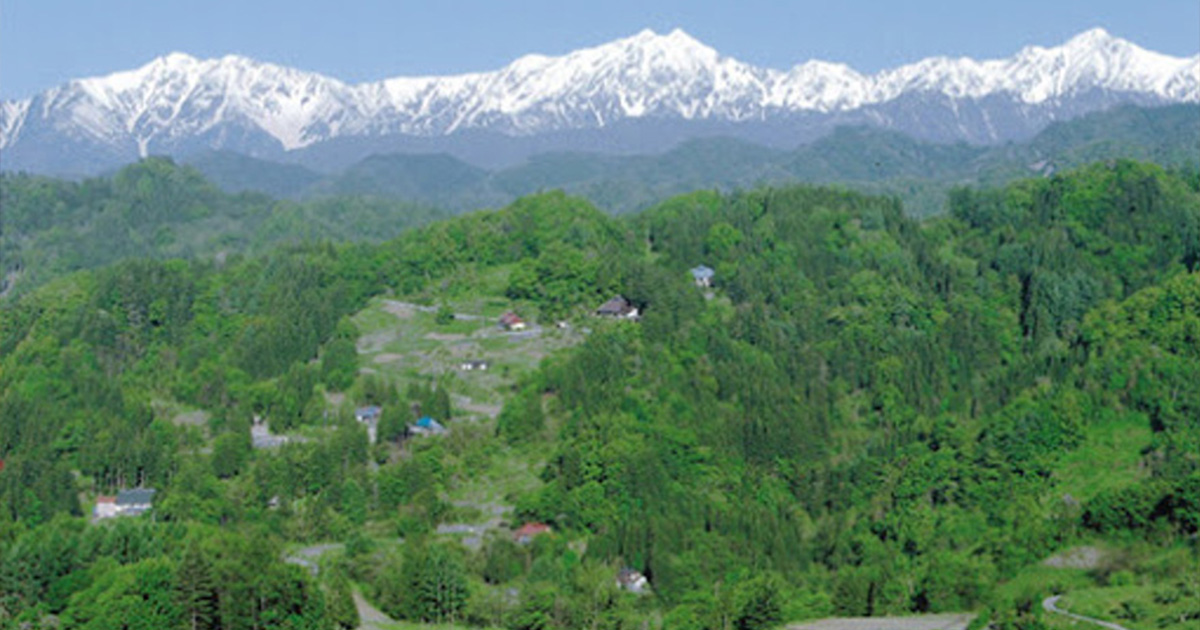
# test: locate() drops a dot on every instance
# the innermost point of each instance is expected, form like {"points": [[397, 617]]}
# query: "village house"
{"points": [[619, 308], [427, 426], [106, 507], [633, 581], [474, 366], [510, 321], [127, 503], [368, 414], [135, 501], [703, 276], [529, 531]]}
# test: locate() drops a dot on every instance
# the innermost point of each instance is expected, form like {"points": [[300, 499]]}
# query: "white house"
{"points": [[127, 503]]}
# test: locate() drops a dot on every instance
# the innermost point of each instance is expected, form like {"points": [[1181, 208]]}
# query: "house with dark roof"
{"points": [[135, 501], [703, 276], [618, 307], [131, 502]]}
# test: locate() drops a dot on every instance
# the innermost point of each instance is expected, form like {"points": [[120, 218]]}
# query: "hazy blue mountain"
{"points": [[235, 172]]}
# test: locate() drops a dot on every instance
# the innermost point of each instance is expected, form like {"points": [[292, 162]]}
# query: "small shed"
{"points": [[633, 581], [703, 276], [427, 426]]}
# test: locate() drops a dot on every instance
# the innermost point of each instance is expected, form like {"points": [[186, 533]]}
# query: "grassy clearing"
{"points": [[1107, 459], [401, 341], [1139, 586]]}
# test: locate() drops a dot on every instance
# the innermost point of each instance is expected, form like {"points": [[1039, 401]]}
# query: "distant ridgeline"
{"points": [[158, 210], [860, 413], [862, 158]]}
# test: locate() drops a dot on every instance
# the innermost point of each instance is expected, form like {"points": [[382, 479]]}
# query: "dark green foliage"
{"points": [[230, 451], [758, 603], [522, 418], [435, 584], [156, 209], [339, 358], [342, 610], [197, 593], [504, 560]]}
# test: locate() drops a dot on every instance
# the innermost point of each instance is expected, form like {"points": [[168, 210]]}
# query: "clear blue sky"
{"points": [[45, 42]]}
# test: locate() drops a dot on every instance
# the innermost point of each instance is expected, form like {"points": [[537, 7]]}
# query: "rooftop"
{"points": [[135, 496]]}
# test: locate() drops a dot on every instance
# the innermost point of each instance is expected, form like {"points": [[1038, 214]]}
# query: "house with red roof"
{"points": [[106, 507], [511, 321], [529, 531]]}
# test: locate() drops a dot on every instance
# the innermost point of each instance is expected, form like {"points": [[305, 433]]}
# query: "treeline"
{"points": [[155, 209], [139, 574]]}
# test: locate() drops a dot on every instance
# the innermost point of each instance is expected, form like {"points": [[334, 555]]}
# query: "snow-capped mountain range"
{"points": [[646, 91]]}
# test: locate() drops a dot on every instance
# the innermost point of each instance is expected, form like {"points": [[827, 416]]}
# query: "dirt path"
{"points": [[370, 617], [1050, 604], [405, 310], [309, 557], [484, 409], [956, 621], [472, 534]]}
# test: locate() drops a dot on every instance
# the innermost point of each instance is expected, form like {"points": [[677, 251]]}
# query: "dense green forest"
{"points": [[156, 209], [867, 414]]}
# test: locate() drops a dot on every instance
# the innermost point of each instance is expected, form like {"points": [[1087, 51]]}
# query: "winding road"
{"points": [[1050, 604], [370, 617]]}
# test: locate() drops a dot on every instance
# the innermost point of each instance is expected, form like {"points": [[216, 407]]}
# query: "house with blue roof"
{"points": [[427, 426]]}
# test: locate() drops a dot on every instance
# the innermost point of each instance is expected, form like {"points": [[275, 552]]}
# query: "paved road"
{"points": [[918, 622], [370, 617], [1050, 604]]}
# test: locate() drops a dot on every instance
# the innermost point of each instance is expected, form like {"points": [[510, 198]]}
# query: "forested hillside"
{"points": [[866, 414], [156, 209]]}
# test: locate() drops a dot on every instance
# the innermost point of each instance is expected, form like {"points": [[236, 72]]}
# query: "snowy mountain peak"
{"points": [[1093, 37], [178, 100]]}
